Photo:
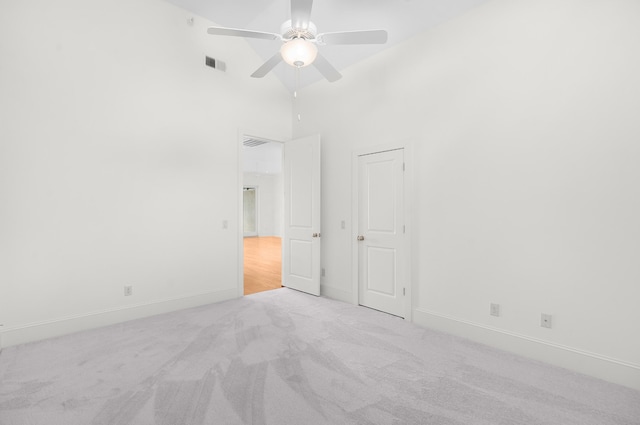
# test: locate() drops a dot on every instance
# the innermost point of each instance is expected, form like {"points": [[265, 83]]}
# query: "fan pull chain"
{"points": [[295, 90]]}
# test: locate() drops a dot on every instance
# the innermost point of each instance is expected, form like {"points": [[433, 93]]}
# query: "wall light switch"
{"points": [[545, 321]]}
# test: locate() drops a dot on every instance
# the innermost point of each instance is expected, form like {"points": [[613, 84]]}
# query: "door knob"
{"points": [[360, 238]]}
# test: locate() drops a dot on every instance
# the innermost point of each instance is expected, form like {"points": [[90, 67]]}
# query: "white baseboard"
{"points": [[61, 326], [598, 366], [336, 294]]}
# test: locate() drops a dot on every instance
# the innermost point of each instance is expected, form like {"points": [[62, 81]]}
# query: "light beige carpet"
{"points": [[283, 357]]}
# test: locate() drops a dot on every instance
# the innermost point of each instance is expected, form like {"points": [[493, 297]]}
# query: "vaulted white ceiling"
{"points": [[401, 18]]}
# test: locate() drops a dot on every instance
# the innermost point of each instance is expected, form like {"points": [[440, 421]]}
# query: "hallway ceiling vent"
{"points": [[250, 142]]}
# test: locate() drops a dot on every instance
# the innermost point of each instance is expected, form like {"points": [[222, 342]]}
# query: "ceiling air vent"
{"points": [[250, 142], [215, 64]]}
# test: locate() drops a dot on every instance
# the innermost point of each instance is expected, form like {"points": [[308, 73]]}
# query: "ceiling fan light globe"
{"points": [[299, 52]]}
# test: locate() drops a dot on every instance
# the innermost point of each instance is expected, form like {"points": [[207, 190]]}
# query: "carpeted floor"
{"points": [[283, 357]]}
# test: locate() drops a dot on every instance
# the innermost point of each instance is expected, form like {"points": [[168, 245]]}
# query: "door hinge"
{"points": [[404, 291], [403, 166], [404, 229]]}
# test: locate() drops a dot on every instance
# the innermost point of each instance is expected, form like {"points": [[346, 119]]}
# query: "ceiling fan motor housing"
{"points": [[289, 33]]}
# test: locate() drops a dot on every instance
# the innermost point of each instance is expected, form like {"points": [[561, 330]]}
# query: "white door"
{"points": [[301, 243], [381, 271]]}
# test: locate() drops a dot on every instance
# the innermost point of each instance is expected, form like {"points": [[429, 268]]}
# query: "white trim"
{"points": [[593, 364], [407, 146], [240, 186], [335, 293], [70, 324]]}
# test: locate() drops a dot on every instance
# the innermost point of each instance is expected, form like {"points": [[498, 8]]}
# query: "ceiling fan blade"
{"points": [[267, 66], [300, 13], [233, 32], [326, 69], [353, 37]]}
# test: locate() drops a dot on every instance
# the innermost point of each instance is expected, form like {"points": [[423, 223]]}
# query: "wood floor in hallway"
{"points": [[262, 264]]}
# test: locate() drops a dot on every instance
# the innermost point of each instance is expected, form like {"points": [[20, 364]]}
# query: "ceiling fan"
{"points": [[300, 39]]}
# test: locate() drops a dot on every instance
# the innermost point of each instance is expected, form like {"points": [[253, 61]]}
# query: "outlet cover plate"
{"points": [[495, 310], [545, 321]]}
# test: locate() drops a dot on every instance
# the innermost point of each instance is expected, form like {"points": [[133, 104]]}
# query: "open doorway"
{"points": [[263, 215]]}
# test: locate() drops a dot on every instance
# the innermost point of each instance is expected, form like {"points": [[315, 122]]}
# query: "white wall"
{"points": [[118, 161], [117, 147], [524, 121], [270, 202]]}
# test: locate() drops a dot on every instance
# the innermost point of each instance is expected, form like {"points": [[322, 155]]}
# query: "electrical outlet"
{"points": [[343, 224], [545, 321], [495, 310], [225, 224], [322, 272], [128, 290]]}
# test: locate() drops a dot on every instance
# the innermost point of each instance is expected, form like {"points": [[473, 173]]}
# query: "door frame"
{"points": [[408, 219], [240, 211]]}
